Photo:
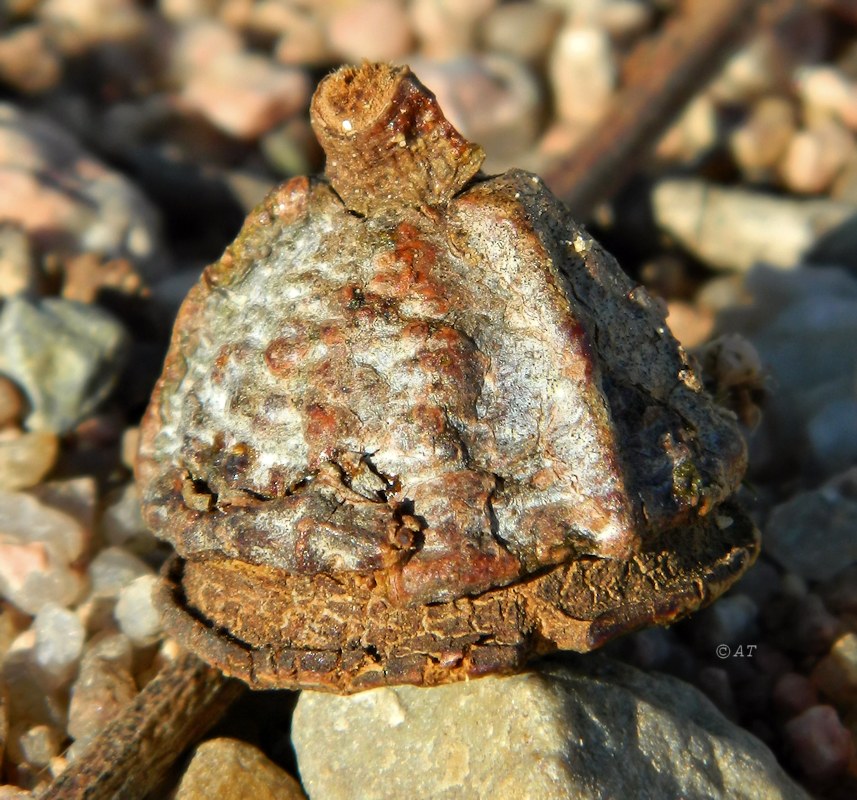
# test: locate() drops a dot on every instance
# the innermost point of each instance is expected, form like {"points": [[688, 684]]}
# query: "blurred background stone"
{"points": [[376, 30], [66, 198], [64, 355]]}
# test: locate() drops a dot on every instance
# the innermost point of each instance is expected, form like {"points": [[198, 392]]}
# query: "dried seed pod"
{"points": [[415, 425]]}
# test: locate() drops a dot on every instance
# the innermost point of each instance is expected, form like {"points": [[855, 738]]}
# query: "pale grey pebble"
{"points": [[812, 534], [832, 432], [136, 613], [522, 30], [113, 569], [66, 356], [733, 228], [730, 621], [59, 642], [803, 323], [122, 522], [105, 685], [582, 728]]}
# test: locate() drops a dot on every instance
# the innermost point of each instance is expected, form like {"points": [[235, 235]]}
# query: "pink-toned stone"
{"points": [[28, 61], [446, 29], [18, 560], [77, 25], [245, 95], [200, 44], [38, 550], [302, 38], [794, 693], [825, 92], [690, 324], [815, 157], [376, 30], [820, 743], [491, 99], [66, 199]]}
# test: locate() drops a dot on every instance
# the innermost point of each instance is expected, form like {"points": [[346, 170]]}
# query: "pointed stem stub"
{"points": [[387, 142]]}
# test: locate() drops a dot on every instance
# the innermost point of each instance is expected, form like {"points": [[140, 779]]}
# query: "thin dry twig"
{"points": [[130, 757], [660, 77]]}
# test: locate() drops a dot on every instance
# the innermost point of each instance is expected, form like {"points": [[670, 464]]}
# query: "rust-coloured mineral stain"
{"points": [[417, 426]]}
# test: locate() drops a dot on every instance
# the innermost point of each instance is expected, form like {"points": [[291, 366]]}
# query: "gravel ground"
{"points": [[134, 138]]}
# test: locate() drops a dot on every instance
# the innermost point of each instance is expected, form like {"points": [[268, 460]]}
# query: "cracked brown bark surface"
{"points": [[411, 392], [335, 633]]}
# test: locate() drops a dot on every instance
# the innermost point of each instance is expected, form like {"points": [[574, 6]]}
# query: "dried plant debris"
{"points": [[416, 425]]}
